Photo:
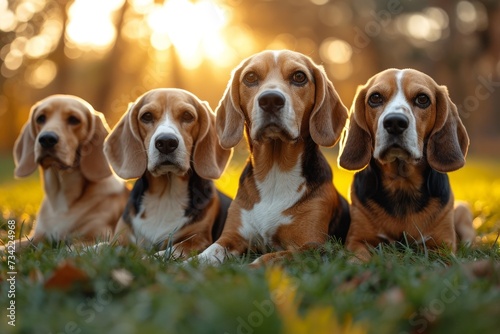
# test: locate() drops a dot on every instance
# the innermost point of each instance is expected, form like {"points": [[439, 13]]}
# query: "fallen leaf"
{"points": [[65, 276], [122, 277], [392, 296]]}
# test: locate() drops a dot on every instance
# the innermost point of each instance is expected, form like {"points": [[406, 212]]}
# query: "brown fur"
{"points": [[128, 151], [83, 200], [318, 118], [442, 143]]}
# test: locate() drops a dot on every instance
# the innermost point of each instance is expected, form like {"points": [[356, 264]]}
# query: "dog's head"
{"points": [[63, 132], [166, 131], [280, 95], [404, 115]]}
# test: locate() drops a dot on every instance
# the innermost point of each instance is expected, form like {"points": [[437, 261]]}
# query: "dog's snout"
{"points": [[48, 139], [166, 143], [272, 101], [396, 124]]}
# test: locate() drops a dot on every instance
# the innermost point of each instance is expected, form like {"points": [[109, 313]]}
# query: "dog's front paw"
{"points": [[97, 248], [214, 255]]}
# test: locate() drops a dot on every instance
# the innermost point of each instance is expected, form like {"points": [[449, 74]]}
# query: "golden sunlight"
{"points": [[194, 29], [90, 25]]}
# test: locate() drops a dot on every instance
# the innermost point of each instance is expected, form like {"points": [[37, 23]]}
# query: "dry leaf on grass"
{"points": [[65, 276], [122, 277]]}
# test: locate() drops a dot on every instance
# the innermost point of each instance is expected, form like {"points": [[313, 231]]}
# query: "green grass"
{"points": [[401, 290]]}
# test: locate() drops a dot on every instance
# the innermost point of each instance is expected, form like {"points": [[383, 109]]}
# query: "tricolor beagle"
{"points": [[167, 139], [83, 200], [404, 134], [286, 200]]}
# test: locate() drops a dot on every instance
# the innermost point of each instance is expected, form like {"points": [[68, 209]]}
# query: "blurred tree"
{"points": [[110, 52]]}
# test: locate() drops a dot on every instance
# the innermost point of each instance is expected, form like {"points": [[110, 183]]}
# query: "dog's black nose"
{"points": [[166, 143], [396, 124], [272, 101], [48, 139]]}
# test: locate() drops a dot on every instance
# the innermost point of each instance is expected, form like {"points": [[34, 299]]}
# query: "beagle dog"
{"points": [[286, 200], [83, 200], [167, 140], [404, 134]]}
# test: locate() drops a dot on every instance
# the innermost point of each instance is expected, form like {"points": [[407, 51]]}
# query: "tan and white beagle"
{"points": [[167, 139], [404, 134], [286, 200], [83, 200]]}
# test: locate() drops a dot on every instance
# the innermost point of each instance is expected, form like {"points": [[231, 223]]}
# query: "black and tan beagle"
{"points": [[83, 200], [286, 200], [404, 134], [167, 139]]}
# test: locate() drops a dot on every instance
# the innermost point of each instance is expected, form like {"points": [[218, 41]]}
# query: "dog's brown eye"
{"points": [[375, 100], [41, 119], [147, 117], [187, 117], [422, 101], [250, 79], [299, 78], [72, 120]]}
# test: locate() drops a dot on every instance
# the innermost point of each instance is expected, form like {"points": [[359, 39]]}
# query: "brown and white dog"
{"points": [[167, 139], [83, 200], [404, 134], [286, 200]]}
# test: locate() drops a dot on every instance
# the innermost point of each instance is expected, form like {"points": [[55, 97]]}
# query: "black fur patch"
{"points": [[220, 220], [246, 173], [200, 196], [368, 187], [341, 220], [315, 168], [135, 199]]}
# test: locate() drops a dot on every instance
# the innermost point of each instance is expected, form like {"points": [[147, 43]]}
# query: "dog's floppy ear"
{"points": [[93, 163], [448, 142], [24, 148], [356, 144], [329, 114], [230, 120], [124, 148], [209, 157]]}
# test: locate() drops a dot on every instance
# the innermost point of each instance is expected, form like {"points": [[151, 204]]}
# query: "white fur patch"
{"points": [[155, 157], [214, 255], [278, 192], [276, 55], [164, 215], [409, 138]]}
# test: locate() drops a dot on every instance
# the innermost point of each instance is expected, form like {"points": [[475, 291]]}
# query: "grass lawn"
{"points": [[59, 289]]}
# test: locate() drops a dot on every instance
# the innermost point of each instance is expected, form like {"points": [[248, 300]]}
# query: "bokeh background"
{"points": [[111, 51]]}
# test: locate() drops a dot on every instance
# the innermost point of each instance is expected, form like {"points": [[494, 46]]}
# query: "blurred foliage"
{"points": [[110, 52]]}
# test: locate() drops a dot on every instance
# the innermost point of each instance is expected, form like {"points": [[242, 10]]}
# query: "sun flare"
{"points": [[194, 29]]}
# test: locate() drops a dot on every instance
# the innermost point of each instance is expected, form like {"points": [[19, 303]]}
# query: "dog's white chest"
{"points": [[160, 217], [278, 192]]}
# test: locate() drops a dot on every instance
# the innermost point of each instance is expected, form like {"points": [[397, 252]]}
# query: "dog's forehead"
{"points": [[409, 81], [385, 82], [60, 104], [168, 100], [280, 61], [415, 80]]}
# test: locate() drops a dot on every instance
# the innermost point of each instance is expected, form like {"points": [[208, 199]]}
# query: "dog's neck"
{"points": [[63, 187], [400, 187], [267, 154], [287, 156], [401, 175], [165, 185]]}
